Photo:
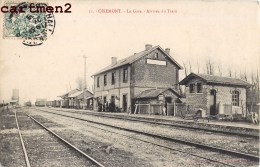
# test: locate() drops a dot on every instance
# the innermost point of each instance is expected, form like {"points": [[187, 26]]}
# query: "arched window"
{"points": [[235, 98]]}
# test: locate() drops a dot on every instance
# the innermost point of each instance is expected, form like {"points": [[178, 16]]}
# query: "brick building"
{"points": [[123, 80], [215, 94]]}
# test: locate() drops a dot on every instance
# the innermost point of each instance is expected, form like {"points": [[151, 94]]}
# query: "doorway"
{"points": [[125, 103], [213, 102], [169, 106]]}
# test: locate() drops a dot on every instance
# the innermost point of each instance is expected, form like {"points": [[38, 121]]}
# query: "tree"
{"points": [[79, 82], [190, 67], [198, 66], [185, 69], [210, 67], [219, 70], [229, 72]]}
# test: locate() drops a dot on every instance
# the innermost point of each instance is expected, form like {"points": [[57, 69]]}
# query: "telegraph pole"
{"points": [[85, 72], [85, 81]]}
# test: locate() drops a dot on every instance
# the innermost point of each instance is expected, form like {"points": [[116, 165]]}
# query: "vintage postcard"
{"points": [[129, 83]]}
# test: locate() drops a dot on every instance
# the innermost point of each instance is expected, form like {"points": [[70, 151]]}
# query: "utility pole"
{"points": [[85, 72], [85, 82]]}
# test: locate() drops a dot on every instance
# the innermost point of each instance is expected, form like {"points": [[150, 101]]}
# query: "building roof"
{"points": [[154, 93], [86, 95], [69, 93], [215, 80], [75, 94], [80, 94], [133, 58]]}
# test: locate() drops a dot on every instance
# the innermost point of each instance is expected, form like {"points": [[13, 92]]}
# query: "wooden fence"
{"points": [[154, 109]]}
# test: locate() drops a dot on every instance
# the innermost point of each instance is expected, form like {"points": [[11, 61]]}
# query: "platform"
{"points": [[242, 128]]}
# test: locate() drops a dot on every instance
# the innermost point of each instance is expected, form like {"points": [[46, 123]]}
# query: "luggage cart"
{"points": [[199, 114], [225, 112]]}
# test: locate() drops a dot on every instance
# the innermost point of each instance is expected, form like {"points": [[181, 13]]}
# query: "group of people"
{"points": [[106, 107]]}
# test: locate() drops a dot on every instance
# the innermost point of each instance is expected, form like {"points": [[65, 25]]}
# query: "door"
{"points": [[112, 106], [169, 106], [104, 103], [124, 103], [212, 102]]}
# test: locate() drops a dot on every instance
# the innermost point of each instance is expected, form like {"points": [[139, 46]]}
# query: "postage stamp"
{"points": [[33, 28]]}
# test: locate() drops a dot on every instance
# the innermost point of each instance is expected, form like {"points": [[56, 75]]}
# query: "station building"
{"points": [[121, 82]]}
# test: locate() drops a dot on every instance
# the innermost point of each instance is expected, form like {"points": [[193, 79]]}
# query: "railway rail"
{"points": [[62, 140], [234, 154], [162, 123], [22, 142]]}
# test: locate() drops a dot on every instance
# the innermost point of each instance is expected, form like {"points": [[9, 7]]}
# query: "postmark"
{"points": [[33, 28]]}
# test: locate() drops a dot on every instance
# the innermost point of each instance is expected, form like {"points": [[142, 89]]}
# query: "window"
{"points": [[156, 55], [199, 88], [192, 88], [105, 79], [112, 99], [235, 98], [113, 81], [98, 82], [125, 75]]}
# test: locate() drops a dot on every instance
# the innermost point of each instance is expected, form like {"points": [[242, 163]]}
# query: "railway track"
{"points": [[60, 153], [161, 123], [239, 156]]}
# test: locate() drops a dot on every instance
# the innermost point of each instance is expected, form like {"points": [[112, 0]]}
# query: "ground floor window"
{"points": [[192, 88], [199, 88], [235, 98]]}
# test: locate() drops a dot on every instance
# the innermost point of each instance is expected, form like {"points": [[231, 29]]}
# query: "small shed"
{"points": [[74, 102], [216, 94], [81, 100], [156, 101], [85, 99], [65, 103]]}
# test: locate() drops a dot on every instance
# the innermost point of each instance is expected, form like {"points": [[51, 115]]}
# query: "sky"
{"points": [[226, 32]]}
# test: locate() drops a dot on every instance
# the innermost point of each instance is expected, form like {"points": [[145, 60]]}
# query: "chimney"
{"points": [[167, 50], [113, 60], [148, 46]]}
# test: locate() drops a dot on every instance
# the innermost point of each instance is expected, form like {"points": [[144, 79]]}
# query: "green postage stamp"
{"points": [[32, 27]]}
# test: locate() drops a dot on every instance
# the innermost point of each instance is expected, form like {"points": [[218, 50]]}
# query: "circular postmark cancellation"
{"points": [[32, 28]]}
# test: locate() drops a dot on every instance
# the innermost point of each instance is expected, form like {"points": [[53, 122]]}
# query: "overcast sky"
{"points": [[225, 31]]}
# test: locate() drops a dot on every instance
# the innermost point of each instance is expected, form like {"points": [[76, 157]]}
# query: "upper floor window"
{"points": [[97, 81], [199, 87], [235, 98], [125, 75], [113, 80], [192, 88], [105, 79], [156, 55]]}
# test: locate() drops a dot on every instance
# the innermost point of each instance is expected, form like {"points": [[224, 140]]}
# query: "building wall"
{"points": [[117, 92], [196, 100], [151, 75], [224, 95], [118, 79], [141, 76], [125, 91], [118, 89]]}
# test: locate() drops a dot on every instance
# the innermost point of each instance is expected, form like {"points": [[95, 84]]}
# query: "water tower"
{"points": [[15, 95]]}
